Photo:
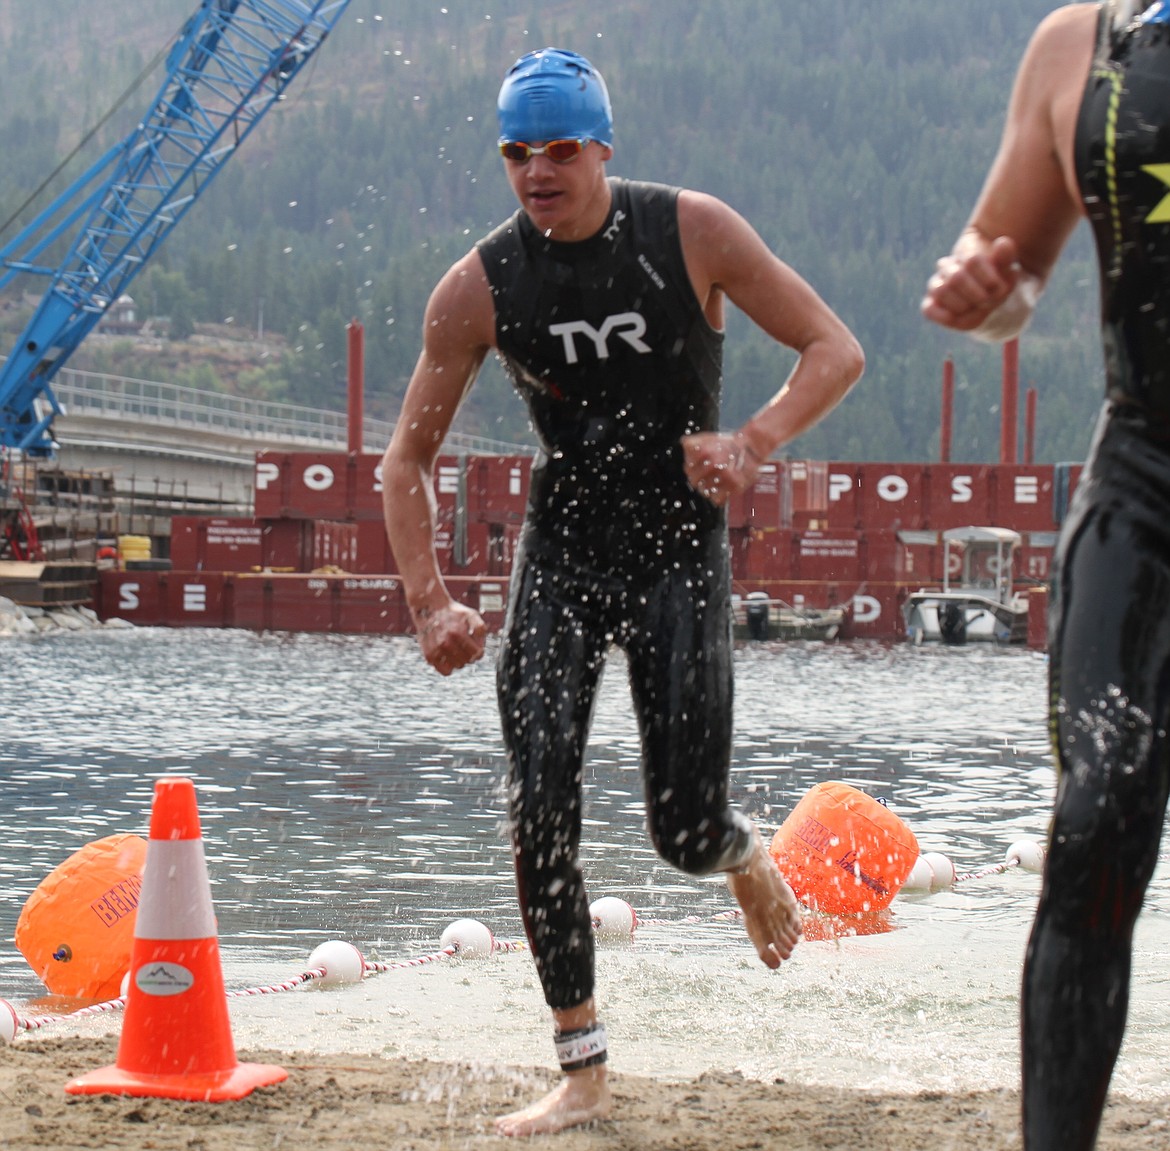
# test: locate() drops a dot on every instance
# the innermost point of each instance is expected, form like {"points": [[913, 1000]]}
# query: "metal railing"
{"points": [[97, 394]]}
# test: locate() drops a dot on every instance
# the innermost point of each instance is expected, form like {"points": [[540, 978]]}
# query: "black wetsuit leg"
{"points": [[547, 678], [1109, 649], [681, 680], [676, 630]]}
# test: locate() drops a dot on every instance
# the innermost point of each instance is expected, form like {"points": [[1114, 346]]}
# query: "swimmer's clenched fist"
{"points": [[981, 288], [451, 637]]}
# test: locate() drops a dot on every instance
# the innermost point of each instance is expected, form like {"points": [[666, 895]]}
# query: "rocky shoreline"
{"points": [[17, 619]]}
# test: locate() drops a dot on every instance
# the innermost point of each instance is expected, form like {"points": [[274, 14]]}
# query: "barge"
{"points": [[835, 549], [859, 539]]}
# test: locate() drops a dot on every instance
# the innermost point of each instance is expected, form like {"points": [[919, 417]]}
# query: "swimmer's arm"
{"points": [[459, 327], [725, 256], [988, 286]]}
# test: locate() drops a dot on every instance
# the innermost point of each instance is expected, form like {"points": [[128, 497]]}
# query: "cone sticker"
{"points": [[176, 1038]]}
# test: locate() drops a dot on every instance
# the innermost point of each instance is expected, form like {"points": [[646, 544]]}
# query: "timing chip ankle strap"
{"points": [[584, 1047]]}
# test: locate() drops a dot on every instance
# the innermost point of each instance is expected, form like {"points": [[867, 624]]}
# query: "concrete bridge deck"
{"points": [[159, 449]]}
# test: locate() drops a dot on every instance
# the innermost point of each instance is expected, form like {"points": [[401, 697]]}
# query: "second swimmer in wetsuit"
{"points": [[605, 298], [1088, 132]]}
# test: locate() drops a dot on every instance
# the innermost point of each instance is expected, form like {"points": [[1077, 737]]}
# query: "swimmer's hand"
{"points": [[982, 289], [451, 637], [719, 464]]}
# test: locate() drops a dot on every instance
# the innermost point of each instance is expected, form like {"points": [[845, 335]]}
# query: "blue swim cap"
{"points": [[554, 95]]}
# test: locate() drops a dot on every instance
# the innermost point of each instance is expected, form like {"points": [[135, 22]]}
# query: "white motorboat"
{"points": [[978, 599], [759, 616]]}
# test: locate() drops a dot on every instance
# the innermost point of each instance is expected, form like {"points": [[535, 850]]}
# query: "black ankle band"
{"points": [[585, 1047]]}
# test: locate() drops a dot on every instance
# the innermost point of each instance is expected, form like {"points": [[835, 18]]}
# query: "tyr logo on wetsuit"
{"points": [[628, 326]]}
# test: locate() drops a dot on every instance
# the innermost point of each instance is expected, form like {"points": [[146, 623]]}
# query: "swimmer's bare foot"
{"points": [[771, 913], [580, 1097]]}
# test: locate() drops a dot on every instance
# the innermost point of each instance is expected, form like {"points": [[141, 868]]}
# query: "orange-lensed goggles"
{"points": [[558, 151]]}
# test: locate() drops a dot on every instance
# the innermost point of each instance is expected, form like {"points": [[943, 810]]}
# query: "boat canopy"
{"points": [[980, 558], [967, 535]]}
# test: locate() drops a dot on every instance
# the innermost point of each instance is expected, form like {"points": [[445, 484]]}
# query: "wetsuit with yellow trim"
{"points": [[1109, 625], [608, 344]]}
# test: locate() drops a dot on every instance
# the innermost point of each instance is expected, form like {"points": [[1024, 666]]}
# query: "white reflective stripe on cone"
{"points": [[175, 900]]}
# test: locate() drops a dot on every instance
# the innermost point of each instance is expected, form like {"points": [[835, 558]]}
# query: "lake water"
{"points": [[347, 792]]}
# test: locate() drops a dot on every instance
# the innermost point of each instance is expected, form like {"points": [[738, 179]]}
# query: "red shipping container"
{"points": [[193, 599], [1038, 618], [247, 600], [302, 485], [843, 499], [917, 558], [284, 602], [879, 555], [502, 550], [371, 604], [828, 556], [373, 549], [135, 596], [1034, 559], [168, 599], [761, 554], [1024, 498], [891, 496], [283, 545], [331, 545], [780, 554], [492, 602], [201, 543], [807, 482], [497, 488], [365, 491], [762, 504], [334, 485], [472, 559], [959, 495]]}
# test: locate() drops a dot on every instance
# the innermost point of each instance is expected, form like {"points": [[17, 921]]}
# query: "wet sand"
{"points": [[331, 1104]]}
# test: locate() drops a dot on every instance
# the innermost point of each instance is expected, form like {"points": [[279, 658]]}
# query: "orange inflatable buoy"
{"points": [[77, 928], [842, 852], [819, 928]]}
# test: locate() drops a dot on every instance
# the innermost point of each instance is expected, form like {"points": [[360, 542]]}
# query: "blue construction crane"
{"points": [[231, 62]]}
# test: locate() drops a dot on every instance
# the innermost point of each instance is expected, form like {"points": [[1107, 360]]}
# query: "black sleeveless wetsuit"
{"points": [[1109, 624], [609, 347]]}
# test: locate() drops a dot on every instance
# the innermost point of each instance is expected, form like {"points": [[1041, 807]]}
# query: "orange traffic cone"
{"points": [[176, 1038]]}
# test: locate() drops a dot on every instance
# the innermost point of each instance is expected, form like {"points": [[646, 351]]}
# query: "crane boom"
{"points": [[231, 62]]}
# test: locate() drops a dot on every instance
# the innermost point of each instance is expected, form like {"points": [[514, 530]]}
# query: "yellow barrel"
{"points": [[134, 548]]}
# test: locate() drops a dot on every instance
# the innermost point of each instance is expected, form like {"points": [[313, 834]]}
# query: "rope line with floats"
{"points": [[845, 855], [338, 963]]}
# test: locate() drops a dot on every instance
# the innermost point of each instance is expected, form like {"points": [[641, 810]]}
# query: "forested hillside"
{"points": [[854, 136]]}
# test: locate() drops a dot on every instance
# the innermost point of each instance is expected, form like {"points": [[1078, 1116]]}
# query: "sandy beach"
{"points": [[332, 1104]]}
